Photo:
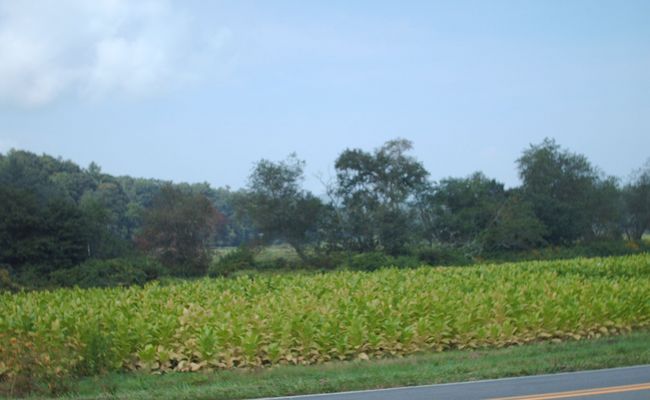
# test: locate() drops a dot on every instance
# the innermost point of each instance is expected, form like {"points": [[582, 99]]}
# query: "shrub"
{"points": [[368, 261], [108, 273], [328, 260], [33, 277], [598, 248], [276, 263], [242, 258], [444, 255], [375, 260], [406, 262]]}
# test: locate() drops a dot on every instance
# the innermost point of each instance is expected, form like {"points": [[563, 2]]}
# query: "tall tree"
{"points": [[26, 170], [40, 223], [48, 235], [559, 184], [464, 207], [375, 192], [637, 204], [177, 229], [277, 205], [513, 226], [606, 210], [478, 211]]}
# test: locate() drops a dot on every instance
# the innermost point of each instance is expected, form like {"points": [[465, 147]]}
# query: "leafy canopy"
{"points": [[177, 229], [376, 191], [277, 205]]}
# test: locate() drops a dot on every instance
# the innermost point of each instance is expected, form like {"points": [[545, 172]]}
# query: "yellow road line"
{"points": [[576, 393]]}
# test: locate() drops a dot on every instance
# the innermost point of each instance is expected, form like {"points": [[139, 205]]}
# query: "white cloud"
{"points": [[51, 48]]}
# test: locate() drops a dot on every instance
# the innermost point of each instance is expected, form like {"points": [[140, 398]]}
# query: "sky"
{"points": [[198, 91]]}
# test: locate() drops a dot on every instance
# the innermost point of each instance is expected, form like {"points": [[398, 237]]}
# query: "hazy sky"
{"points": [[199, 90]]}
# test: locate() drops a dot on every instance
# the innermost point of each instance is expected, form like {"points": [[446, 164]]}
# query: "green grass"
{"points": [[266, 253], [270, 253], [452, 366]]}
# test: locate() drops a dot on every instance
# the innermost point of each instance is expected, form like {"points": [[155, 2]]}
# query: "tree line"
{"points": [[56, 215], [384, 200]]}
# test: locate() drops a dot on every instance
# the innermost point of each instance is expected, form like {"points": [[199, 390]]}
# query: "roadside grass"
{"points": [[430, 368]]}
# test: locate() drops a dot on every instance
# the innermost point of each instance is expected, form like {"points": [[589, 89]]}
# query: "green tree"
{"points": [[606, 210], [21, 225], [65, 230], [73, 185], [141, 192], [277, 205], [177, 229], [49, 234], [26, 170], [375, 193], [513, 227], [636, 196], [464, 207], [560, 186]]}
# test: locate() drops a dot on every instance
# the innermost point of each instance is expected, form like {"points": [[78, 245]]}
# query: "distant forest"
{"points": [[56, 215]]}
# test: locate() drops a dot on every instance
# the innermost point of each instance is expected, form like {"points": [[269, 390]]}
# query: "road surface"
{"points": [[628, 383]]}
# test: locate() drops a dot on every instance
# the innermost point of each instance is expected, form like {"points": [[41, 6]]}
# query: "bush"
{"points": [[372, 261], [109, 273], [368, 261], [444, 255], [33, 277], [602, 248], [598, 248], [406, 262], [328, 260], [275, 264], [242, 258]]}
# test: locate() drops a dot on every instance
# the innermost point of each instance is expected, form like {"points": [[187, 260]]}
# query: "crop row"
{"points": [[304, 319]]}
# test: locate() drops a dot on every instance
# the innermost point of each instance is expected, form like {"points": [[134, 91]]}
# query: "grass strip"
{"points": [[451, 366]]}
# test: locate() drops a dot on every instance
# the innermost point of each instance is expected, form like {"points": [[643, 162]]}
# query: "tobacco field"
{"points": [[305, 319]]}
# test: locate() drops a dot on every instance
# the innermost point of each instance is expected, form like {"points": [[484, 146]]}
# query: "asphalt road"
{"points": [[628, 383]]}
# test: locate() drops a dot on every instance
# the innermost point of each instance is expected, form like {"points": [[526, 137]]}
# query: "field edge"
{"points": [[429, 368]]}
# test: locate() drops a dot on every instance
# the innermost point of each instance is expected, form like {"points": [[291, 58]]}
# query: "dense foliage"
{"points": [[277, 206], [55, 216], [567, 194], [304, 319], [375, 193], [176, 230], [636, 197]]}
